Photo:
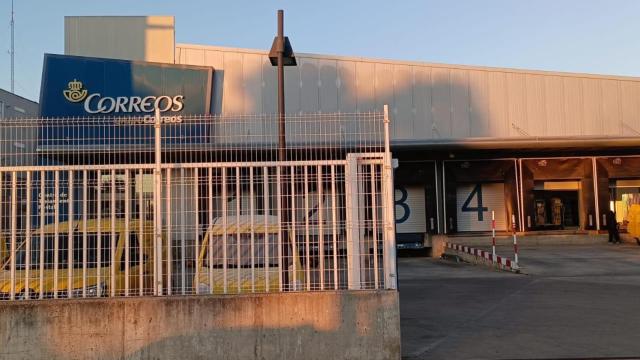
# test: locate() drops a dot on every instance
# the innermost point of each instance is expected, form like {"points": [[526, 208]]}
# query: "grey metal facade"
{"points": [[429, 102], [15, 107]]}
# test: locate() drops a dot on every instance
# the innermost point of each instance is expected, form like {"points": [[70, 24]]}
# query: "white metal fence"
{"points": [[139, 206]]}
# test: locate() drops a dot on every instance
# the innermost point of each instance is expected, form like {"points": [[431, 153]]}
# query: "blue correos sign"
{"points": [[81, 86], [122, 93]]}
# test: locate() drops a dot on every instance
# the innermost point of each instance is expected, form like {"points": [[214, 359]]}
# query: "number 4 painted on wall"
{"points": [[477, 193]]}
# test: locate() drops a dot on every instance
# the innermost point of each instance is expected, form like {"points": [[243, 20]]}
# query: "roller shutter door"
{"points": [[475, 203], [410, 210]]}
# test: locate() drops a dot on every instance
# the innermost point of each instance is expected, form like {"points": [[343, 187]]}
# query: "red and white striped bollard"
{"points": [[493, 233], [515, 241]]}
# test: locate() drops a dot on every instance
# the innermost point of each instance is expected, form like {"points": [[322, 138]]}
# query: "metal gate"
{"points": [[84, 218]]}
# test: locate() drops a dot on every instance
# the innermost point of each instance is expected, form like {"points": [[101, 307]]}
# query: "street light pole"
{"points": [[13, 52], [282, 145], [282, 141], [281, 55]]}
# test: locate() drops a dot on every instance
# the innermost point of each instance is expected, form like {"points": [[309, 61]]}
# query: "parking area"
{"points": [[573, 302]]}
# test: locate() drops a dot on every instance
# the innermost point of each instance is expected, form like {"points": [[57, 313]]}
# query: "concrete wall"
{"points": [[323, 325], [147, 38]]}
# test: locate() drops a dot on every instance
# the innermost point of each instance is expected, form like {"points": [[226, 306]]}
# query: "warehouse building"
{"points": [[13, 106], [553, 151]]}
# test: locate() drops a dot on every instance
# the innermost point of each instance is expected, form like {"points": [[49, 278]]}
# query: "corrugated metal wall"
{"points": [[427, 101]]}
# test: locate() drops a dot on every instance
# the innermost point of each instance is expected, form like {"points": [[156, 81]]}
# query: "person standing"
{"points": [[612, 228]]}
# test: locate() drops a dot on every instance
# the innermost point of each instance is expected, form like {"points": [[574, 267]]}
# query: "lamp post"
{"points": [[281, 55]]}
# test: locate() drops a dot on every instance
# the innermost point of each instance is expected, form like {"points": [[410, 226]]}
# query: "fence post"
{"points": [[389, 217], [14, 235], [157, 213], [354, 237]]}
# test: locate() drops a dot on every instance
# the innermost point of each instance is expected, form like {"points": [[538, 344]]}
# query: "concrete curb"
{"points": [[482, 257], [529, 240]]}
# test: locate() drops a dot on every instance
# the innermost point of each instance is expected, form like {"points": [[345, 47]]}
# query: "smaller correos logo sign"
{"points": [[75, 93], [97, 104]]}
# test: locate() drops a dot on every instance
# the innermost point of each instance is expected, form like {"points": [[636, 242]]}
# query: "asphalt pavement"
{"points": [[572, 302]]}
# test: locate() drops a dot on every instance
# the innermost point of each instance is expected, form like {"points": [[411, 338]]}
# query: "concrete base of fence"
{"points": [[323, 325]]}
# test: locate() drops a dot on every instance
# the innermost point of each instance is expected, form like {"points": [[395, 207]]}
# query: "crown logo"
{"points": [[75, 93]]}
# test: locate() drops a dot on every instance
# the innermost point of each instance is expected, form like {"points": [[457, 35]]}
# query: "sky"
{"points": [[592, 36]]}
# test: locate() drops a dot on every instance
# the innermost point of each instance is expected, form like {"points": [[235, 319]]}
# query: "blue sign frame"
{"points": [[68, 81], [120, 97]]}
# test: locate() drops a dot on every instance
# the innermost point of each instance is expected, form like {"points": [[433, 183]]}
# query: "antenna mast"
{"points": [[12, 50]]}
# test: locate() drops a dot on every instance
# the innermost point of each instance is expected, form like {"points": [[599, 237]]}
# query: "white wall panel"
{"points": [[611, 117], [194, 57], [233, 101], [215, 60], [536, 107], [328, 86], [384, 92], [252, 92], [460, 123], [441, 103], [554, 105], [479, 103], [347, 89], [573, 107], [366, 86], [270, 87], [592, 103], [309, 85], [630, 108], [498, 101], [383, 86], [423, 121], [403, 109], [292, 89], [517, 105], [252, 75], [292, 98]]}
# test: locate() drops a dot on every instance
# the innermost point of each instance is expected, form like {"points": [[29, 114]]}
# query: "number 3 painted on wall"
{"points": [[401, 202], [476, 192]]}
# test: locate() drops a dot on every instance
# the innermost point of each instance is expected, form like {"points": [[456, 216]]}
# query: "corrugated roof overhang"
{"points": [[520, 143]]}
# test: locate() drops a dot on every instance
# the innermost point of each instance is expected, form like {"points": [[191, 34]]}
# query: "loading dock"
{"points": [[474, 189], [554, 190]]}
